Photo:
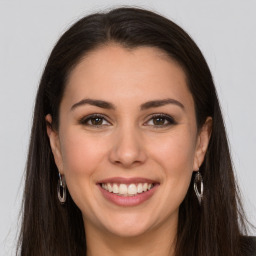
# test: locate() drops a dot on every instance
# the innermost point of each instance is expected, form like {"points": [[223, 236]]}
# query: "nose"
{"points": [[127, 148]]}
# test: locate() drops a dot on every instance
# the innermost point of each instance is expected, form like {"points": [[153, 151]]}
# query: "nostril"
{"points": [[127, 158]]}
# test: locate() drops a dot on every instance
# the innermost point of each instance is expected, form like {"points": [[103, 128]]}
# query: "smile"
{"points": [[127, 189]]}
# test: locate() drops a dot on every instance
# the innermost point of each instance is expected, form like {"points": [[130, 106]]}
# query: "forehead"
{"points": [[143, 73]]}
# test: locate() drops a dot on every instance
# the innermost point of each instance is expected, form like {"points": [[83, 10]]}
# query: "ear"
{"points": [[202, 143], [54, 143]]}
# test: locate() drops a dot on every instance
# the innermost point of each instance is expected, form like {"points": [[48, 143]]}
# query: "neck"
{"points": [[160, 241]]}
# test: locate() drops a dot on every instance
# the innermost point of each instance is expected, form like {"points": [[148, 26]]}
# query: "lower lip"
{"points": [[128, 200]]}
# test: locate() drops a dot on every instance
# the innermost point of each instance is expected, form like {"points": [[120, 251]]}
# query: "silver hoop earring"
{"points": [[199, 181], [61, 189]]}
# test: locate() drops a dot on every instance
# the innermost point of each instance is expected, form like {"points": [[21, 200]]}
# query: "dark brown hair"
{"points": [[48, 228]]}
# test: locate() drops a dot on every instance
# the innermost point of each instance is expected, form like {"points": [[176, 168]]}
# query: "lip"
{"points": [[126, 201], [122, 180]]}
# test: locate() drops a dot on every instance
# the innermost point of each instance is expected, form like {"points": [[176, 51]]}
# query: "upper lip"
{"points": [[122, 180]]}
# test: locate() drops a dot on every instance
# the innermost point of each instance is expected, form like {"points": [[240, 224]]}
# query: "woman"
{"points": [[128, 152]]}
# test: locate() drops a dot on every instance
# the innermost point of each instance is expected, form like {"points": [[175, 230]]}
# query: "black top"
{"points": [[249, 245]]}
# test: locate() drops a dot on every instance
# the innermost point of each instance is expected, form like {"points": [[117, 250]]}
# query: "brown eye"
{"points": [[94, 121], [160, 120]]}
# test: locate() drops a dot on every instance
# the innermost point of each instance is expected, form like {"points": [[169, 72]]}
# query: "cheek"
{"points": [[82, 157], [175, 152], [175, 156], [81, 154]]}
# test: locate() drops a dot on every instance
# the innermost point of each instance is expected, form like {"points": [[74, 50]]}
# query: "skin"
{"points": [[128, 143]]}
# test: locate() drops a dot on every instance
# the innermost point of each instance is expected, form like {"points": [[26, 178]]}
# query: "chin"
{"points": [[128, 231], [129, 225]]}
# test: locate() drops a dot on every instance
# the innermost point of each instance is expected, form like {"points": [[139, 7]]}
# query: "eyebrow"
{"points": [[97, 103], [159, 103], [144, 106]]}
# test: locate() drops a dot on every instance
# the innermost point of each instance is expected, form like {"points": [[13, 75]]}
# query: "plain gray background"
{"points": [[225, 31]]}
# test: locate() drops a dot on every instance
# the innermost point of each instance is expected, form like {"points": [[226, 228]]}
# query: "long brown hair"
{"points": [[48, 228]]}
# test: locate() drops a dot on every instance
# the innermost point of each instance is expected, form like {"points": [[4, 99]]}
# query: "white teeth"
{"points": [[150, 186], [145, 187], [132, 189], [115, 188], [109, 187], [140, 188], [127, 190], [123, 189]]}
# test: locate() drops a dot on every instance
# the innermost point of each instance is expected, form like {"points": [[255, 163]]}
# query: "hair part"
{"points": [[49, 228]]}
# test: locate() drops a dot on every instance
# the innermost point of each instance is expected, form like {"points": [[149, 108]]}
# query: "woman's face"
{"points": [[127, 142]]}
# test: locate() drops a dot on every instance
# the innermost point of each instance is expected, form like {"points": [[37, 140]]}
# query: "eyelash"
{"points": [[169, 119], [85, 120]]}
